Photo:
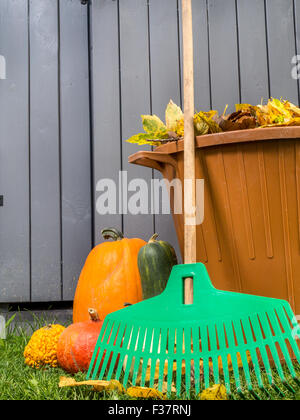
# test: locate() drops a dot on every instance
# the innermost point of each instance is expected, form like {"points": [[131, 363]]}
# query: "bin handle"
{"points": [[154, 160]]}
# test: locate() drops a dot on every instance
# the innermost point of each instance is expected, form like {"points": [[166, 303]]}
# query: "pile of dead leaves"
{"points": [[275, 113]]}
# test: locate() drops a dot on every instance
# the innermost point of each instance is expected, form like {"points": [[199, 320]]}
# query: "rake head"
{"points": [[221, 337]]}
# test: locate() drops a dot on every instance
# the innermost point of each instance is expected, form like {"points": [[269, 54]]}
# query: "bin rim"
{"points": [[231, 137]]}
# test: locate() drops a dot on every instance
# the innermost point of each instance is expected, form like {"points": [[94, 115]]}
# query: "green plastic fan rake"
{"points": [[197, 339]]}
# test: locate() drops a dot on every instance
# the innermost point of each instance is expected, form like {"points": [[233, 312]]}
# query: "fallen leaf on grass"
{"points": [[215, 393], [99, 386], [143, 392]]}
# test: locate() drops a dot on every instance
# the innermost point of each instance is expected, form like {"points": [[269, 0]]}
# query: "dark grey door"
{"points": [[45, 172]]}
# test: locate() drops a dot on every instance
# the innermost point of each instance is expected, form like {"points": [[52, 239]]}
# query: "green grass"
{"points": [[20, 382]]}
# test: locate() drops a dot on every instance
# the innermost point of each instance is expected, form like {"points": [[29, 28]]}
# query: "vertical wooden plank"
{"points": [[106, 104], [165, 83], [14, 156], [281, 41], [223, 54], [135, 97], [201, 54], [75, 142], [297, 34], [45, 152], [253, 51]]}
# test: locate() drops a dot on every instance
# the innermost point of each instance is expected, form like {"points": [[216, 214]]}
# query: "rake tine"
{"points": [[162, 360], [161, 373], [272, 347], [292, 317], [226, 373], [102, 352], [262, 349], [91, 366], [132, 345], [155, 346], [123, 350], [197, 375], [246, 371], [115, 354], [145, 365], [231, 342], [196, 343], [282, 345], [98, 361], [258, 371], [236, 373], [135, 370], [117, 346], [139, 350], [288, 330], [188, 360], [240, 338], [105, 362], [170, 358], [146, 355], [224, 361], [170, 376], [178, 375], [214, 348], [179, 360], [127, 370], [206, 372], [254, 359], [205, 359]]}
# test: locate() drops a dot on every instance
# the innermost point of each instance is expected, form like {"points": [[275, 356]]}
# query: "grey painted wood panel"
{"points": [[201, 55], [14, 160], [295, 72], [75, 142], [166, 83], [135, 100], [253, 51], [107, 149], [45, 152], [281, 41], [223, 54]]}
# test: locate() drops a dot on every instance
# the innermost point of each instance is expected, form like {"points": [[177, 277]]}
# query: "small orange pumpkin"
{"points": [[110, 277], [77, 343]]}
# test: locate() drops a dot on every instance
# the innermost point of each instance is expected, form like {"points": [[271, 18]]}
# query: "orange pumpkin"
{"points": [[77, 343], [110, 277]]}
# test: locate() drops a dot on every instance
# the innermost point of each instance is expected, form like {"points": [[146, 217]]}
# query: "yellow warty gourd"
{"points": [[42, 347]]}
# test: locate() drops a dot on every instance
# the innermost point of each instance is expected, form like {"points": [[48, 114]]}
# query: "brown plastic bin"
{"points": [[250, 237]]}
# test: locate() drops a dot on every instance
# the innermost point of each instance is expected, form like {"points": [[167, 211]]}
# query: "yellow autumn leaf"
{"points": [[113, 385], [143, 392], [173, 115], [154, 126], [144, 138], [294, 110], [204, 123], [98, 385], [215, 393]]}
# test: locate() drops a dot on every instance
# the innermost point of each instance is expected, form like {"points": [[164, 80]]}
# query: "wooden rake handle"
{"points": [[189, 146]]}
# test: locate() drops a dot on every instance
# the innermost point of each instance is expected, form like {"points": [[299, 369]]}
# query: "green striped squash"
{"points": [[155, 261]]}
